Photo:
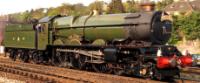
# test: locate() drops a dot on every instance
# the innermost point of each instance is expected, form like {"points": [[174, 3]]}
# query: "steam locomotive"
{"points": [[124, 44]]}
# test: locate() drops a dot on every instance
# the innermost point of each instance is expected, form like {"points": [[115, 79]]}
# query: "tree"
{"points": [[80, 9], [16, 18], [37, 13], [162, 4], [116, 6], [52, 11], [97, 5], [176, 34], [131, 6], [65, 9], [26, 16], [190, 26], [186, 27]]}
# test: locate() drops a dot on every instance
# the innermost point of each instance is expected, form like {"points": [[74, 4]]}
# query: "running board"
{"points": [[92, 54]]}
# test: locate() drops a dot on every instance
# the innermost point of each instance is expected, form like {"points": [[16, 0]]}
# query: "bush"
{"points": [[186, 26]]}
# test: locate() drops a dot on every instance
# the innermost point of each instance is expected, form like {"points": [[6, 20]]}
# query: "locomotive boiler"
{"points": [[123, 44], [115, 28]]}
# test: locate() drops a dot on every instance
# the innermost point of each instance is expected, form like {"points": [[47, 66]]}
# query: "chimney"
{"points": [[147, 6]]}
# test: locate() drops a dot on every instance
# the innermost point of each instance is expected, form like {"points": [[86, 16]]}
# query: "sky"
{"points": [[13, 6]]}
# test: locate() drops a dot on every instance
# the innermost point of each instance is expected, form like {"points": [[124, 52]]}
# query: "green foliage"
{"points": [[186, 26], [38, 13], [52, 11], [191, 26], [80, 9], [64, 9], [97, 5], [175, 36], [131, 6], [116, 6], [19, 17], [25, 16], [68, 9]]}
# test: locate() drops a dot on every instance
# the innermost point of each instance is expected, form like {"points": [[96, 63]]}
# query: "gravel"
{"points": [[6, 80]]}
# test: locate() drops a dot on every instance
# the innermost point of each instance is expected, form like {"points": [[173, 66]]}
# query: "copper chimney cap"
{"points": [[147, 6]]}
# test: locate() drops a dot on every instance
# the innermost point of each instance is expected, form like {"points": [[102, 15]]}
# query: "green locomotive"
{"points": [[120, 43]]}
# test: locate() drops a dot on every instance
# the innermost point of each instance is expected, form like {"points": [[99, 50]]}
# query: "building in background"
{"points": [[183, 7]]}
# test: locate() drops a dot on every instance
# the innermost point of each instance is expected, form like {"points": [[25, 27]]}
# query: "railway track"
{"points": [[191, 70], [39, 72], [191, 73], [33, 74], [63, 75]]}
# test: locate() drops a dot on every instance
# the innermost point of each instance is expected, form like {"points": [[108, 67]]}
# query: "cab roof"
{"points": [[48, 18]]}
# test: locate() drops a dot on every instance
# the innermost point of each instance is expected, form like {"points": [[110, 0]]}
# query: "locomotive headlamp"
{"points": [[159, 53]]}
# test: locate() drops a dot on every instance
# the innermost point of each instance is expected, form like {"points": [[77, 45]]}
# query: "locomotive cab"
{"points": [[43, 30], [41, 36]]}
